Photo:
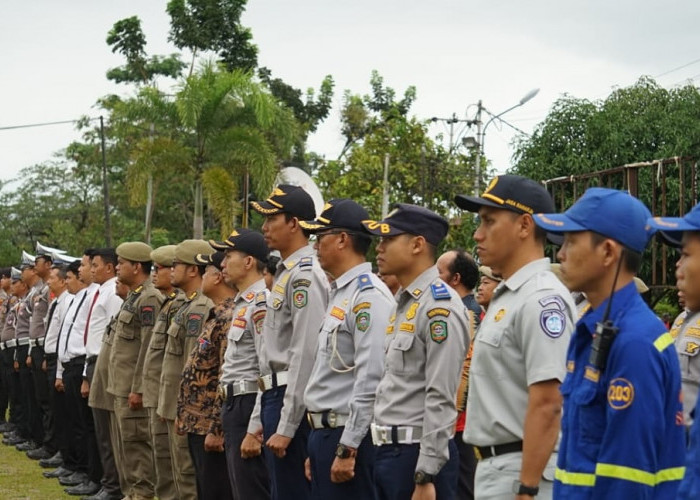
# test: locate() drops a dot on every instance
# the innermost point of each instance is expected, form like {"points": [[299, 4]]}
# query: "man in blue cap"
{"points": [[686, 233], [622, 428]]}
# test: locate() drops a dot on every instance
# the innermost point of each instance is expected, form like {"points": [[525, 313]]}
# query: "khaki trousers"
{"points": [[134, 430], [183, 468], [165, 483]]}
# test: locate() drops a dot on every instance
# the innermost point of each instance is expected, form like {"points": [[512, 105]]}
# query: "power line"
{"points": [[679, 67], [44, 124]]}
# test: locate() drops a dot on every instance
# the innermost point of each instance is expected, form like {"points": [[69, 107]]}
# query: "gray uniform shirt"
{"points": [[8, 330], [295, 310], [686, 332], [39, 310], [425, 346], [522, 340], [350, 352], [24, 313]]}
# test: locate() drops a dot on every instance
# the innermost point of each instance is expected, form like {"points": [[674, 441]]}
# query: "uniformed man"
{"points": [[23, 332], [487, 284], [183, 333], [686, 334], [20, 433], [5, 282], [133, 333], [686, 232], [622, 431], [340, 393], [174, 298], [104, 306], [243, 267], [198, 414], [514, 404], [290, 331], [425, 346]]}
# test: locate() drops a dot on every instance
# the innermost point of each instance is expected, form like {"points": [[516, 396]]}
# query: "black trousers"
{"points": [[248, 476], [57, 400], [11, 380], [82, 429], [41, 393], [467, 468], [210, 470], [4, 394]]}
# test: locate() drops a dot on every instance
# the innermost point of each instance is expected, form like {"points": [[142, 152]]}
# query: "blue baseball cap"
{"points": [[609, 212], [671, 228], [411, 219]]}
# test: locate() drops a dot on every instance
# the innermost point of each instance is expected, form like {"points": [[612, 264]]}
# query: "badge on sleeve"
{"points": [[438, 331], [553, 322], [362, 321], [258, 319], [194, 320], [620, 393], [148, 317], [300, 298]]}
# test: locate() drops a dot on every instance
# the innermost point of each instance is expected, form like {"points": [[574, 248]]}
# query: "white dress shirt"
{"points": [[62, 303], [106, 306], [71, 338]]}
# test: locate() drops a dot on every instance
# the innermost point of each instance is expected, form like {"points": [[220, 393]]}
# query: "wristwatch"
{"points": [[343, 451], [521, 489], [421, 477]]}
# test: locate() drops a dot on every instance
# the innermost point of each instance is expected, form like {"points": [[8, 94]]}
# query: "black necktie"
{"points": [[51, 311]]}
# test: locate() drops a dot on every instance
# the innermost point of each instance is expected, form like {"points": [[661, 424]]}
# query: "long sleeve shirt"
{"points": [[104, 308]]}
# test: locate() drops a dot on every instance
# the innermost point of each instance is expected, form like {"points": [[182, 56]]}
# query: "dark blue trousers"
{"points": [[322, 446], [286, 474], [395, 465]]}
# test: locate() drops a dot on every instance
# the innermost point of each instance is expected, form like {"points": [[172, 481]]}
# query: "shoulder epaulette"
{"points": [[260, 299], [306, 262], [440, 291], [364, 282]]}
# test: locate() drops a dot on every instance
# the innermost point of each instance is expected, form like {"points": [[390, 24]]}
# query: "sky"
{"points": [[455, 52]]}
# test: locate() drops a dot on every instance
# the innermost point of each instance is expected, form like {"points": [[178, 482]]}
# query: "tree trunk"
{"points": [[149, 208], [198, 222]]}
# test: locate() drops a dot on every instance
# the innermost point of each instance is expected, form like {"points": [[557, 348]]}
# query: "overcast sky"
{"points": [[455, 52]]}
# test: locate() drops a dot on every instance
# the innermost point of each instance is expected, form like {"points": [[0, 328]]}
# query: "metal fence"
{"points": [[669, 187]]}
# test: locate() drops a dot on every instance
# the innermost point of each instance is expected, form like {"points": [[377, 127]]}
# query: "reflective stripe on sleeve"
{"points": [[663, 342]]}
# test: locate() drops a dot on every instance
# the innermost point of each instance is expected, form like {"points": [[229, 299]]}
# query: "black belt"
{"points": [[78, 360], [499, 449], [51, 356], [91, 360]]}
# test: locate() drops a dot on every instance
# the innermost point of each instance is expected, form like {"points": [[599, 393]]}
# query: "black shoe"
{"points": [[14, 440], [103, 494], [29, 445], [60, 472], [7, 427], [74, 479], [54, 461], [86, 488], [39, 453]]}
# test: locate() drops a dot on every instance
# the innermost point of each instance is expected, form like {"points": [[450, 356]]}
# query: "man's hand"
{"points": [[15, 365], [252, 445], [59, 385], [135, 401], [307, 469], [342, 469], [214, 443], [43, 366], [178, 429], [28, 361], [277, 444], [85, 388], [424, 492]]}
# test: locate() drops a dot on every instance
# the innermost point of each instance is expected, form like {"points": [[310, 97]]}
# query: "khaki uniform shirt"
{"points": [[425, 345], [99, 396], [350, 351], [133, 333], [153, 363], [183, 333], [523, 339], [295, 310], [686, 332]]}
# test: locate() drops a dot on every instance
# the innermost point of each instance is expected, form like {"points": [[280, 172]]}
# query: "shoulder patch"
{"points": [[360, 306], [306, 262], [438, 311], [364, 282], [194, 322], [260, 299], [552, 299], [301, 297], [553, 322], [148, 317], [258, 319], [440, 291], [362, 321], [620, 393], [438, 331], [301, 282]]}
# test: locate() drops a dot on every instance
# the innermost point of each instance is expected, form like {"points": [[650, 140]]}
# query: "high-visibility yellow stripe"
{"points": [[663, 341], [638, 475], [574, 478]]}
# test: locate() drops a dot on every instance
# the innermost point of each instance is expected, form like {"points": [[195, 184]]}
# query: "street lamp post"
{"points": [[481, 132]]}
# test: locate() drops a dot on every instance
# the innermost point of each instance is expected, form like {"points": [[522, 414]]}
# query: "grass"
{"points": [[21, 478]]}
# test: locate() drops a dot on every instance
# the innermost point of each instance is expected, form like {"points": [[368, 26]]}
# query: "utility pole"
{"points": [[479, 144], [385, 187], [105, 186]]}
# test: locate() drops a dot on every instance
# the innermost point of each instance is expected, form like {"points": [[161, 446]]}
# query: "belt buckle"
{"points": [[261, 384], [332, 419], [221, 391], [310, 420], [477, 453], [383, 434]]}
